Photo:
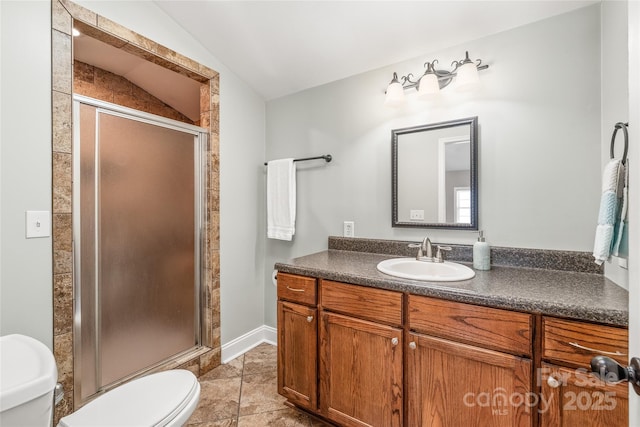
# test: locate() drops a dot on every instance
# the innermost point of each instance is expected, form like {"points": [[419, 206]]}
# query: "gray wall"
{"points": [[25, 168], [25, 265], [615, 97], [242, 113], [418, 163], [634, 208], [539, 143], [540, 151]]}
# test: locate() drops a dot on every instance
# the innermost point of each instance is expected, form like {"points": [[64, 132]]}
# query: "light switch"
{"points": [[38, 224]]}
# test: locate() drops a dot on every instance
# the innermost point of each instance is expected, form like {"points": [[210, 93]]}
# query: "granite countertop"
{"points": [[580, 296]]}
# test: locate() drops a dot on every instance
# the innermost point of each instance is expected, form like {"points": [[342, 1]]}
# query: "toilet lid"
{"points": [[153, 400], [27, 370]]}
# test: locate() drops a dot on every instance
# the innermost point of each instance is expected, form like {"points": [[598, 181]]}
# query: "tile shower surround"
{"points": [[66, 14], [100, 84]]}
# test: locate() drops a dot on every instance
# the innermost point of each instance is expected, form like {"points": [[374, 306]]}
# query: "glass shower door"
{"points": [[139, 237]]}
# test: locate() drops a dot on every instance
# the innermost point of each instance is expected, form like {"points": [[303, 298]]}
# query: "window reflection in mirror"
{"points": [[434, 175]]}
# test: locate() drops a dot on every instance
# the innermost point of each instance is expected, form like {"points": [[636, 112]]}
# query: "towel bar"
{"points": [[327, 158], [622, 126]]}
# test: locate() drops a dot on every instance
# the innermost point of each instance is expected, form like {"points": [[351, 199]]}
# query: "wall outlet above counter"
{"points": [[348, 229]]}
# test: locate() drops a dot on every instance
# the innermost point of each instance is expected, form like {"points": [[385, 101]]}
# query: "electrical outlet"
{"points": [[416, 214], [348, 229]]}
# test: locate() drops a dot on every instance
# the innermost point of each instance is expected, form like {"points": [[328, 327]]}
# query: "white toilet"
{"points": [[28, 377]]}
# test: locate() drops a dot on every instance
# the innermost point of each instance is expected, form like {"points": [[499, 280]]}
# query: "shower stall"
{"points": [[137, 221]]}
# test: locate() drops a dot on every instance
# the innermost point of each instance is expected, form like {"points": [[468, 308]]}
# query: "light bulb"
{"points": [[395, 93], [467, 77], [428, 85]]}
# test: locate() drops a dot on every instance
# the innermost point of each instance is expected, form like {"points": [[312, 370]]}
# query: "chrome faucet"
{"points": [[425, 251], [426, 248]]}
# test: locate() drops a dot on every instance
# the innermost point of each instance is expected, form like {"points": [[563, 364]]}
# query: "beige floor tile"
{"points": [[222, 423], [233, 369], [283, 418], [244, 393], [260, 394], [219, 400], [263, 358]]}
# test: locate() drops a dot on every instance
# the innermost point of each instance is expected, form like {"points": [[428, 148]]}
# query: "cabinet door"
{"points": [[360, 372], [297, 353], [451, 385], [575, 398]]}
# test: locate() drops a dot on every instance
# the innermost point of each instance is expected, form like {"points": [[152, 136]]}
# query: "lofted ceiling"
{"points": [[175, 90], [282, 47]]}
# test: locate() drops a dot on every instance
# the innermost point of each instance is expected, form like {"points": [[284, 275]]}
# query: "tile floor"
{"points": [[243, 393]]}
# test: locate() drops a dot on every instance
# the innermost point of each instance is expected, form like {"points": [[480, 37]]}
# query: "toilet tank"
{"points": [[28, 377]]}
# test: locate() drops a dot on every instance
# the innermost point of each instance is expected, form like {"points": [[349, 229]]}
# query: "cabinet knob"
{"points": [[394, 341], [412, 345], [552, 382], [309, 319]]}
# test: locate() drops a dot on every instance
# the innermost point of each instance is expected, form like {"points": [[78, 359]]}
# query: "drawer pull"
{"points": [[295, 289], [412, 345], [309, 319], [552, 382], [581, 347], [394, 341]]}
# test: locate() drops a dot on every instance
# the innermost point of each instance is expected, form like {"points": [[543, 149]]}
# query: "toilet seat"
{"points": [[162, 399]]}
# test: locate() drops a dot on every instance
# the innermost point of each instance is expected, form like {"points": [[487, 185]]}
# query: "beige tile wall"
{"points": [[100, 84], [66, 14]]}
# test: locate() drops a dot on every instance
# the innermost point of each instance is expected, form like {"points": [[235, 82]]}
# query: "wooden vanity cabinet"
{"points": [[570, 395], [298, 340], [468, 365], [361, 374], [361, 356]]}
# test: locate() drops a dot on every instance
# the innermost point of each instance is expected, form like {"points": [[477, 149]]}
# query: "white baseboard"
{"points": [[246, 342]]}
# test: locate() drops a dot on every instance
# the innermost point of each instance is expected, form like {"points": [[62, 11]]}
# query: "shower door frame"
{"points": [[200, 144]]}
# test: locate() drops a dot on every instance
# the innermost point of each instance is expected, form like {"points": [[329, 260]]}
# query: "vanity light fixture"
{"points": [[395, 93], [433, 80]]}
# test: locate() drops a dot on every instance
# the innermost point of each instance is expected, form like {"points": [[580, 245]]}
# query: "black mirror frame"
{"points": [[473, 125]]}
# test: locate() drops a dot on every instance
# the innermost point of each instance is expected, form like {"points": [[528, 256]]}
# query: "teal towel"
{"points": [[621, 238], [608, 208], [610, 221]]}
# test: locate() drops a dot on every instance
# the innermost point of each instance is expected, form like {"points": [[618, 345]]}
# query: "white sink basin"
{"points": [[410, 268]]}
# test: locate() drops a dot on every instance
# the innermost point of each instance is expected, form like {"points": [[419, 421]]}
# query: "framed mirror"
{"points": [[435, 175]]}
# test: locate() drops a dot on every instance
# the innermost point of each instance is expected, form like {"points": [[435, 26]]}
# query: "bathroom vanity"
{"points": [[510, 347]]}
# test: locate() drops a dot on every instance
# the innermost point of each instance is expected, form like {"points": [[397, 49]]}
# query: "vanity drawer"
{"points": [[296, 288], [577, 343], [492, 328], [360, 301]]}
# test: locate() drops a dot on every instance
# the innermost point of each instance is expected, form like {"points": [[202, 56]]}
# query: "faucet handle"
{"points": [[439, 257], [419, 246]]}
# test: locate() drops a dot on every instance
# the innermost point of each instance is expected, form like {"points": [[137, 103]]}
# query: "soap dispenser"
{"points": [[481, 254]]}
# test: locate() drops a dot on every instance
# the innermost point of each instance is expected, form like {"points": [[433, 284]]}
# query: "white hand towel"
{"points": [[602, 245], [281, 199], [613, 177]]}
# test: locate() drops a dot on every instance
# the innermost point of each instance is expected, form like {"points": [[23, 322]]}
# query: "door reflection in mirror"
{"points": [[434, 175]]}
